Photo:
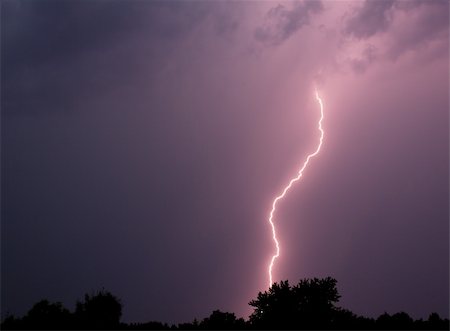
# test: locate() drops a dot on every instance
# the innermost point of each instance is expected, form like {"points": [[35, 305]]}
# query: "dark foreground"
{"points": [[309, 305]]}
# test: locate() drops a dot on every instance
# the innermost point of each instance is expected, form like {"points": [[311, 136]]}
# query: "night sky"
{"points": [[143, 142]]}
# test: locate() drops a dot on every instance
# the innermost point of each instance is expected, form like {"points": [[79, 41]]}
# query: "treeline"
{"points": [[311, 304]]}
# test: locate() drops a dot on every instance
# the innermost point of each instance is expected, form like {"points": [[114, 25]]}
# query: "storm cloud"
{"points": [[284, 20], [372, 17]]}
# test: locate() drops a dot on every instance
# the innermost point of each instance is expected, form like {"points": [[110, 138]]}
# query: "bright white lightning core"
{"points": [[293, 180]]}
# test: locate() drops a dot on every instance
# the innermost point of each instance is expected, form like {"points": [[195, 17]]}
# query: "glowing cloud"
{"points": [[281, 196]]}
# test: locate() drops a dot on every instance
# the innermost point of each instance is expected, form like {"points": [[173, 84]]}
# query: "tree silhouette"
{"points": [[43, 315], [275, 308], [222, 321], [154, 325], [101, 310], [436, 322], [398, 321], [345, 319], [309, 304], [316, 301], [194, 325], [46, 315]]}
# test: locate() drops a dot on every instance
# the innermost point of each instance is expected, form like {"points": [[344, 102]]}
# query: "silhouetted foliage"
{"points": [[148, 326], [43, 315], [46, 315], [222, 321], [345, 319], [101, 310], [10, 322], [189, 326], [398, 321], [436, 322], [311, 304]]}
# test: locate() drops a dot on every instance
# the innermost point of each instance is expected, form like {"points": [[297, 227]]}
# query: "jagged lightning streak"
{"points": [[281, 196]]}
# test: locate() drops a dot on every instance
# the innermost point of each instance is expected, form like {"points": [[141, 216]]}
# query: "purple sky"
{"points": [[143, 143]]}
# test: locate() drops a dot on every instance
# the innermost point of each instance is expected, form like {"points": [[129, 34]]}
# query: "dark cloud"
{"points": [[429, 23], [55, 53], [281, 22], [408, 5], [34, 32], [377, 16], [402, 25], [371, 18], [368, 55]]}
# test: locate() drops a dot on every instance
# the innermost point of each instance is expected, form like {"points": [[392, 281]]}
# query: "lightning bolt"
{"points": [[286, 189]]}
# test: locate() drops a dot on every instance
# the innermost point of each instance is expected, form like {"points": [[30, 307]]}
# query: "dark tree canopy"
{"points": [[222, 321], [46, 315], [43, 315], [310, 304], [101, 310]]}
